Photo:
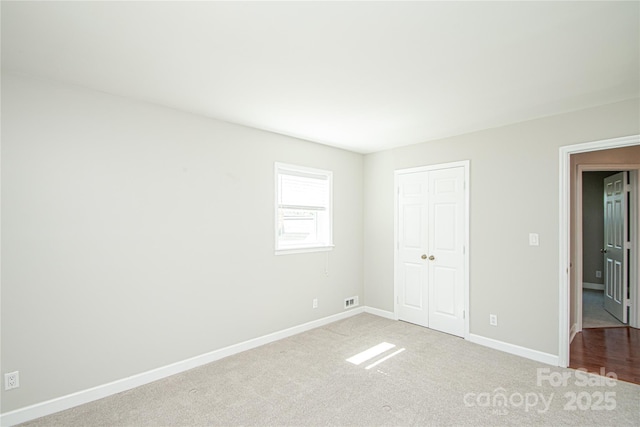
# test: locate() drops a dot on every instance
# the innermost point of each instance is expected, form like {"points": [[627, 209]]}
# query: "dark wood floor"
{"points": [[615, 349]]}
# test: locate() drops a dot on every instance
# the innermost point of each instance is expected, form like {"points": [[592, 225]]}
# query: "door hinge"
{"points": [[627, 245], [464, 314]]}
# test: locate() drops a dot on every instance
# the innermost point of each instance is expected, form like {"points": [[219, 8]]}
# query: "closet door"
{"points": [[411, 266], [430, 249], [446, 250]]}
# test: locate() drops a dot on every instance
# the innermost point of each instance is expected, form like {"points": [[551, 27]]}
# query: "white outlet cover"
{"points": [[11, 380], [534, 239], [493, 320]]}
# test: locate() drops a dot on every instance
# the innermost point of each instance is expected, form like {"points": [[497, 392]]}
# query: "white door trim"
{"points": [[565, 234], [464, 164]]}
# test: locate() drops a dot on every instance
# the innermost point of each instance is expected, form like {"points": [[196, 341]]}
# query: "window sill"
{"points": [[304, 250]]}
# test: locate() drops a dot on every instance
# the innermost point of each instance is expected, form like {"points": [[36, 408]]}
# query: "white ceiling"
{"points": [[364, 76]]}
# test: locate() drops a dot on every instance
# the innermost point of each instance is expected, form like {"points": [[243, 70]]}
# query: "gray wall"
{"points": [[514, 191], [593, 225], [135, 236]]}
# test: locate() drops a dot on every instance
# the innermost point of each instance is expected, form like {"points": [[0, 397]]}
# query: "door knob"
{"points": [[424, 256], [431, 258], [603, 251]]}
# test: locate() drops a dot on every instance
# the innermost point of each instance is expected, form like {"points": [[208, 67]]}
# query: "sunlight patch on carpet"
{"points": [[370, 353]]}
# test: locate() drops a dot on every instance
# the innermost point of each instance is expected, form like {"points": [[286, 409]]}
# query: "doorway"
{"points": [[583, 164], [605, 213], [605, 337], [431, 281], [614, 154]]}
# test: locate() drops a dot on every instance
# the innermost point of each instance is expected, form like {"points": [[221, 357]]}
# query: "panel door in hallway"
{"points": [[615, 245]]}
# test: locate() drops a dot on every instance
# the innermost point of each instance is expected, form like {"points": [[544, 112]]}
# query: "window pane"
{"points": [[303, 191], [298, 226], [303, 208]]}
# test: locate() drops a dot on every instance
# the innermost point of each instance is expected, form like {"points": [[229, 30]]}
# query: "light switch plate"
{"points": [[534, 239]]}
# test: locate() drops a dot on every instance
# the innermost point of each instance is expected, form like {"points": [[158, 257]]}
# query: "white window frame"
{"points": [[328, 175]]}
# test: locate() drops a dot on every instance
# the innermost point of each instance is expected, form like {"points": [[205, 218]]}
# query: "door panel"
{"points": [[412, 226], [445, 232], [615, 253], [444, 296], [412, 286], [609, 270]]}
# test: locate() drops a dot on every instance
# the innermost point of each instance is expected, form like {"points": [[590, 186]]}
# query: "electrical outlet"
{"points": [[598, 274], [12, 380], [534, 239], [315, 303], [493, 319]]}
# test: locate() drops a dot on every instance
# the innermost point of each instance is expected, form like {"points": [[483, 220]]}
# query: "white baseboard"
{"points": [[381, 313], [49, 407], [573, 332], [595, 286], [536, 355]]}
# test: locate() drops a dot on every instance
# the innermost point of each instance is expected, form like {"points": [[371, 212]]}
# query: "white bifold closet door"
{"points": [[430, 252]]}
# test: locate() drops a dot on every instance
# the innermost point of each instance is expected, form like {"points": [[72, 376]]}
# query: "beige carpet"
{"points": [[306, 380], [593, 313]]}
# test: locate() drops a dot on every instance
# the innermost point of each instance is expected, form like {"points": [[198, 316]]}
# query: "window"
{"points": [[303, 209]]}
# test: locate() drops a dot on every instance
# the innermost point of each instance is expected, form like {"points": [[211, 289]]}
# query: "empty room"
{"points": [[320, 213]]}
